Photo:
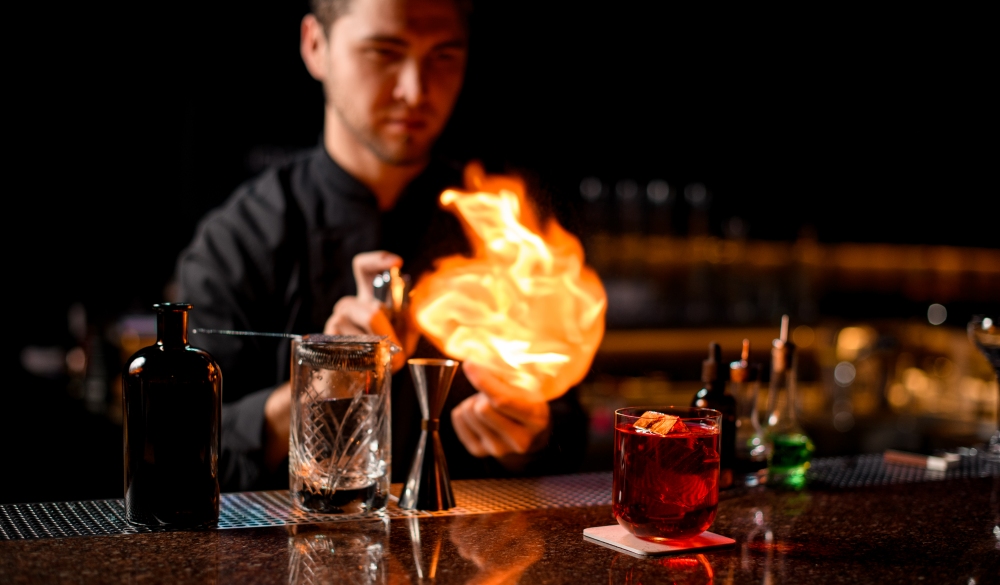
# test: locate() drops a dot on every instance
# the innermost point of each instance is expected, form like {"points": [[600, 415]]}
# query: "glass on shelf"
{"points": [[984, 332]]}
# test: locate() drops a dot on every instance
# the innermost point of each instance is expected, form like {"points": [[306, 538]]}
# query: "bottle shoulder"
{"points": [[157, 349], [713, 397], [158, 359]]}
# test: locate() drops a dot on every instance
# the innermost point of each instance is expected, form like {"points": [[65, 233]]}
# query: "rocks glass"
{"points": [[666, 474]]}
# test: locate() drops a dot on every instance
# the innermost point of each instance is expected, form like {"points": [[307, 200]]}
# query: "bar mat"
{"points": [[275, 508], [870, 470]]}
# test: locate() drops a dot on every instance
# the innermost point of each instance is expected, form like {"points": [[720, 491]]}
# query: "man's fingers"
{"points": [[468, 437], [367, 266], [352, 316], [514, 402], [380, 325], [517, 437], [340, 325], [478, 438]]}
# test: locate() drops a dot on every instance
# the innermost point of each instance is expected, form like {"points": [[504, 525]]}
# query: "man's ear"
{"points": [[313, 46]]}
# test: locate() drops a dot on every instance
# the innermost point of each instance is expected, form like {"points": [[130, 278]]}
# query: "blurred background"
{"points": [[721, 169]]}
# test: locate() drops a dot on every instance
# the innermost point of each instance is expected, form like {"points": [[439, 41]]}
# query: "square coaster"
{"points": [[615, 536]]}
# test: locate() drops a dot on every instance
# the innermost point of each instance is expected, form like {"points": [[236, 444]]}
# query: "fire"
{"points": [[524, 305]]}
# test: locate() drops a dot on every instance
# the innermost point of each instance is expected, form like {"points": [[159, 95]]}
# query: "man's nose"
{"points": [[410, 85]]}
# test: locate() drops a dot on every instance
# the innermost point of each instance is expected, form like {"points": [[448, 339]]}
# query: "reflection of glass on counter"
{"points": [[487, 541], [687, 569], [353, 552]]}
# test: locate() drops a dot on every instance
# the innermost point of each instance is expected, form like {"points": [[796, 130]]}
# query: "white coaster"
{"points": [[615, 536]]}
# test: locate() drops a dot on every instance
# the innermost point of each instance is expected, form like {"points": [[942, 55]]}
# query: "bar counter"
{"points": [[931, 531]]}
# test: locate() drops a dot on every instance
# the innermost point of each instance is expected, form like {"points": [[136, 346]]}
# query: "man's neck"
{"points": [[385, 180]]}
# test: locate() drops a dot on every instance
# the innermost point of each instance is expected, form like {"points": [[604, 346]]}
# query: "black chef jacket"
{"points": [[276, 257]]}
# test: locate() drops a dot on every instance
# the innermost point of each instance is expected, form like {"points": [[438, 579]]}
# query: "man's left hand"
{"points": [[501, 420], [362, 314]]}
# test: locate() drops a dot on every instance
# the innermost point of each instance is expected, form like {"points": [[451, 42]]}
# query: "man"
{"points": [[296, 250]]}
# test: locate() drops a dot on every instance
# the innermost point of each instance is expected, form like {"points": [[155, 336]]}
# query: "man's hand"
{"points": [[501, 421], [277, 424], [362, 314], [357, 315]]}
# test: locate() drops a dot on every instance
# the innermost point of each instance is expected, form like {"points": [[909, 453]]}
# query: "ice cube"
{"points": [[656, 422], [660, 423]]}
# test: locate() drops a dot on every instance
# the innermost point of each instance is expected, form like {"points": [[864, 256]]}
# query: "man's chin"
{"points": [[405, 154]]}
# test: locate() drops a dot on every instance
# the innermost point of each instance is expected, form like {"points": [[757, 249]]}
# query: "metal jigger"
{"points": [[428, 486]]}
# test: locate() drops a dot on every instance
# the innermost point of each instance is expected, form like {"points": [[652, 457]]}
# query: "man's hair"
{"points": [[328, 11]]}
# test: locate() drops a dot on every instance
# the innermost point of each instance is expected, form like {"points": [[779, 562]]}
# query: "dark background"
{"points": [[132, 121], [866, 126]]}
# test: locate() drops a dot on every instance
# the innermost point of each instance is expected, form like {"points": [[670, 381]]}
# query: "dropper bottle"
{"points": [[713, 395], [790, 449], [744, 385]]}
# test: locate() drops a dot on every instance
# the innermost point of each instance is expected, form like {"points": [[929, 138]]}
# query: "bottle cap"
{"points": [[739, 371], [782, 350]]}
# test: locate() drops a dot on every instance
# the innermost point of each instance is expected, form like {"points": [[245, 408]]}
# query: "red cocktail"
{"points": [[666, 474]]}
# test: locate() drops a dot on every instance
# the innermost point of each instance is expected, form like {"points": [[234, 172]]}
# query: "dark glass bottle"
{"points": [[172, 400], [713, 395]]}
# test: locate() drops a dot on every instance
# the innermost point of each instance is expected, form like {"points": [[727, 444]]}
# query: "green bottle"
{"points": [[789, 448]]}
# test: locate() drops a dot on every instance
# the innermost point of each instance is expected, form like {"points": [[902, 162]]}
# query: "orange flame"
{"points": [[524, 305]]}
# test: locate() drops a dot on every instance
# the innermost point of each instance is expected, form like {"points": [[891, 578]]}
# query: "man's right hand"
{"points": [[362, 314], [358, 315]]}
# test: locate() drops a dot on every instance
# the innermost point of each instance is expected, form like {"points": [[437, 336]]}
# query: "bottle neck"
{"points": [[781, 398], [746, 399], [171, 328]]}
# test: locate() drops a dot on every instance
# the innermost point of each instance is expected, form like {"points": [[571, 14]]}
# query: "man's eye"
{"points": [[383, 54], [448, 56]]}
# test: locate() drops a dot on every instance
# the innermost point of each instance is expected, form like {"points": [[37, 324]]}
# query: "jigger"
{"points": [[428, 486]]}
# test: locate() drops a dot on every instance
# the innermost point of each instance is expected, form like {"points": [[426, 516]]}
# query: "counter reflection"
{"points": [[683, 570], [501, 546], [355, 552]]}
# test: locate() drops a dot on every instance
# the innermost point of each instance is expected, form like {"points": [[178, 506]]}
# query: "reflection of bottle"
{"points": [[790, 448], [751, 452], [172, 397], [713, 395]]}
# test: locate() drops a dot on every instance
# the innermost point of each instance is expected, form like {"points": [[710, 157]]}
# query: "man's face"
{"points": [[394, 71]]}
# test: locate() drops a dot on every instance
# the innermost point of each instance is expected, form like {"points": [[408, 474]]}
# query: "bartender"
{"points": [[296, 249]]}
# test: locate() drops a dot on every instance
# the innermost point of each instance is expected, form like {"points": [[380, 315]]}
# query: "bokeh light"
{"points": [[658, 192], [591, 188], [936, 314]]}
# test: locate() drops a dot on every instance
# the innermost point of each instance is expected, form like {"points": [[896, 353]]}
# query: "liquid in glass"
{"points": [[666, 485]]}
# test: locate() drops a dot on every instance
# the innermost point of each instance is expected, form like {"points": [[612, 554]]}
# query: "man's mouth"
{"points": [[407, 124], [407, 120]]}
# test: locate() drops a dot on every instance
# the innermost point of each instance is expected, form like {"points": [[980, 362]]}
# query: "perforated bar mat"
{"points": [[870, 470], [275, 508]]}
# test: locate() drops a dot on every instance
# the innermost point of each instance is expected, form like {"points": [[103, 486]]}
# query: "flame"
{"points": [[524, 305]]}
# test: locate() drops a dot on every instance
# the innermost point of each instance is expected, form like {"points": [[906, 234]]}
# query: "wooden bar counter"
{"points": [[943, 531]]}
